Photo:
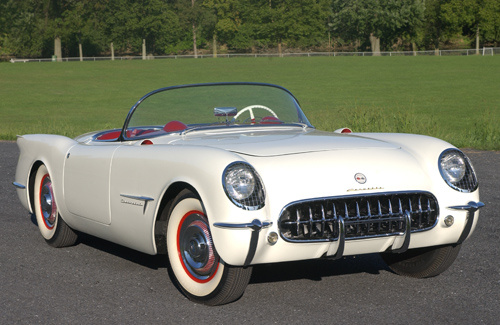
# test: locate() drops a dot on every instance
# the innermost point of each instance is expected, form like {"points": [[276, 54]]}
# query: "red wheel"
{"points": [[198, 270], [52, 227]]}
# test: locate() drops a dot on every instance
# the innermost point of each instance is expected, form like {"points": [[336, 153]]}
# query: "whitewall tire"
{"points": [[52, 227], [197, 268]]}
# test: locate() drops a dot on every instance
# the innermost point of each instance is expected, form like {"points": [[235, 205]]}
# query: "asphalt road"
{"points": [[97, 282]]}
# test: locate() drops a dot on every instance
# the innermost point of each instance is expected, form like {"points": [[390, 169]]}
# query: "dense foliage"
{"points": [[28, 28]]}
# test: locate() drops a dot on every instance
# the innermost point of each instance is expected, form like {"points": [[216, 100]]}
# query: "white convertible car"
{"points": [[220, 177]]}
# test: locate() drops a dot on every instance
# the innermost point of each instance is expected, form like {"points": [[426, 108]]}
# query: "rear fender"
{"points": [[37, 149]]}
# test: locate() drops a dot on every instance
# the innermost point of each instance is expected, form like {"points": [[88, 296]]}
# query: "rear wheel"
{"points": [[52, 227], [422, 262], [197, 268]]}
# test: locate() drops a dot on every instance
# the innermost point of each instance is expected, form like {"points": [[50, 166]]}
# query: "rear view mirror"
{"points": [[225, 111]]}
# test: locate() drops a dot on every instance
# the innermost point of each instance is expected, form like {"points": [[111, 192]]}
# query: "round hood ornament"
{"points": [[360, 178]]}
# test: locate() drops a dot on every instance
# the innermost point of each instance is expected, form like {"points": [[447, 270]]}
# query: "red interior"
{"points": [[111, 135], [270, 120], [173, 126]]}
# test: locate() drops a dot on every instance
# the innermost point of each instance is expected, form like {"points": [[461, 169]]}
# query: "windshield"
{"points": [[194, 107]]}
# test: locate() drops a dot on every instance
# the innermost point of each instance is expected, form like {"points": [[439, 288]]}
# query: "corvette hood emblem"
{"points": [[360, 178]]}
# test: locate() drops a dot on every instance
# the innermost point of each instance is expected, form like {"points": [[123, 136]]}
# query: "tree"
{"points": [[193, 16], [225, 20], [434, 25], [382, 22], [474, 18]]}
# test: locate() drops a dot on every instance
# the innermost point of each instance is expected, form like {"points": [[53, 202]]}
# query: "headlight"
{"points": [[243, 186], [457, 171]]}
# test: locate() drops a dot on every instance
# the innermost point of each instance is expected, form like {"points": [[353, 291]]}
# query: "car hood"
{"points": [[268, 143]]}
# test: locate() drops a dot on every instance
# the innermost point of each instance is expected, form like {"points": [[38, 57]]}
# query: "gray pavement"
{"points": [[97, 282]]}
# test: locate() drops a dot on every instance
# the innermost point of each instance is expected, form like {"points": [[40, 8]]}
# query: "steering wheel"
{"points": [[250, 109]]}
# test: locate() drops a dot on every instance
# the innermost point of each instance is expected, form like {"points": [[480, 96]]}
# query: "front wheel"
{"points": [[52, 227], [197, 268], [422, 262]]}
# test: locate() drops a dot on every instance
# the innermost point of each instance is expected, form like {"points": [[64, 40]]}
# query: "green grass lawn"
{"points": [[453, 98]]}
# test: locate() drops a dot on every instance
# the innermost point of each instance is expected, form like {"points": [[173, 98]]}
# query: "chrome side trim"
{"points": [[471, 209], [19, 185], [140, 198], [256, 225], [145, 199]]}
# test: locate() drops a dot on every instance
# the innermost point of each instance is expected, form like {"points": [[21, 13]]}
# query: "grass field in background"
{"points": [[453, 98]]}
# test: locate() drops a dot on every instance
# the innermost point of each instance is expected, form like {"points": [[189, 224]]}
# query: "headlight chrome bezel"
{"points": [[252, 201], [467, 182]]}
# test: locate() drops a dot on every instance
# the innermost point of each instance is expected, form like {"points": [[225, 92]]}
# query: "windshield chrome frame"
{"points": [[123, 137]]}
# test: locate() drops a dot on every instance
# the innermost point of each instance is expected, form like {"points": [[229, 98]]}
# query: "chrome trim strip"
{"points": [[256, 225], [471, 209], [140, 198], [19, 185]]}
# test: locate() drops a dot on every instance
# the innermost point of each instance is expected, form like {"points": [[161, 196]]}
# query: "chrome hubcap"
{"points": [[47, 203], [196, 248]]}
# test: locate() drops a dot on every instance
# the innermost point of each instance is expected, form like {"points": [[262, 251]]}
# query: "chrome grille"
{"points": [[364, 216]]}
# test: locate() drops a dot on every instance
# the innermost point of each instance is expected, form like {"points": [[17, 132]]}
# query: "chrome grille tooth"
{"points": [[369, 216], [358, 216], [429, 210], [379, 224], [401, 213], [323, 220], [335, 218], [420, 212], [346, 212], [298, 222], [310, 222], [390, 208]]}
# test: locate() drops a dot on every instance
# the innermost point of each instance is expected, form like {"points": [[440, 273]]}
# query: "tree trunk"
{"points": [[280, 53], [112, 52], [477, 40], [57, 49], [375, 45], [215, 45], [81, 51], [144, 49], [195, 49]]}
